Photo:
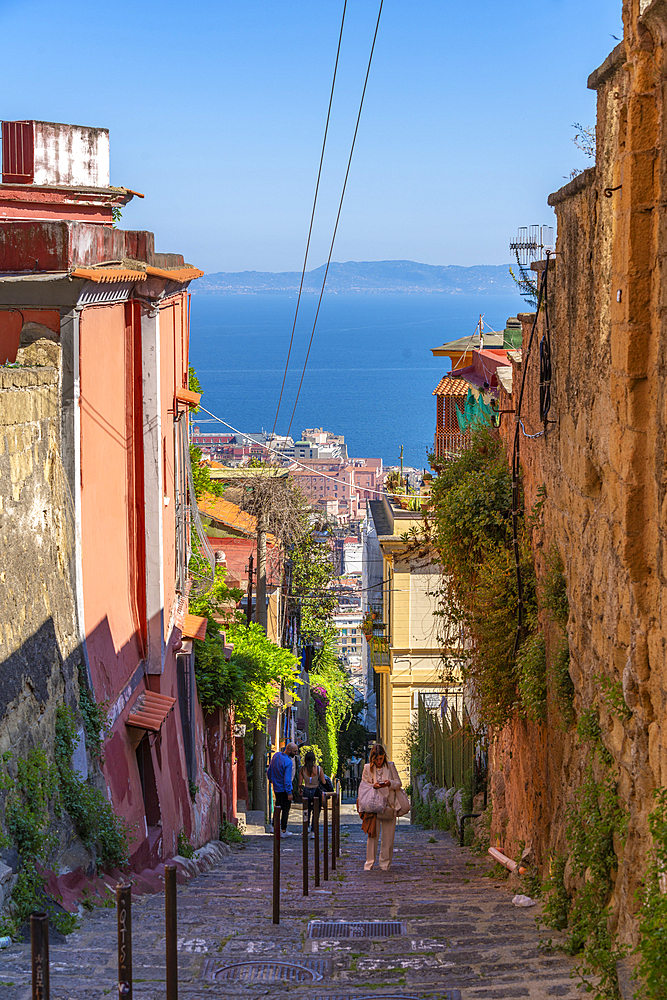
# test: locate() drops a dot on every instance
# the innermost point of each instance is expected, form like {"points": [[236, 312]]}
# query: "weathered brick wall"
{"points": [[38, 638], [602, 464]]}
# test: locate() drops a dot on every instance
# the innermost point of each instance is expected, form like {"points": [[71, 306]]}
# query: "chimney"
{"points": [[47, 154]]}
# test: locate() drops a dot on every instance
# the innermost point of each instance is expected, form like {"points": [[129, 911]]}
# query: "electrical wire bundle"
{"points": [[545, 405]]}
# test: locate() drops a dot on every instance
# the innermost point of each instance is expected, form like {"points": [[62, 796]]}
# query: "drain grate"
{"points": [[441, 995], [267, 972], [355, 928]]}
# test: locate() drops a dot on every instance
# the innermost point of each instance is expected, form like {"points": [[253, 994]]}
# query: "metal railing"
{"points": [[448, 743], [450, 444]]}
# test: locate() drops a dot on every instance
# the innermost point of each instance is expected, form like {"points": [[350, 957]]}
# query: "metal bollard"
{"points": [[333, 832], [325, 836], [305, 847], [276, 865], [338, 805], [39, 946], [171, 953], [316, 806], [124, 915]]}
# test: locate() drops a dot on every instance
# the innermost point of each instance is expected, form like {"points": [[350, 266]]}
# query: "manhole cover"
{"points": [[266, 972], [355, 928]]}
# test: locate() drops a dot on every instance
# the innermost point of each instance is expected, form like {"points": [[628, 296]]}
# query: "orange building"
{"points": [[114, 315]]}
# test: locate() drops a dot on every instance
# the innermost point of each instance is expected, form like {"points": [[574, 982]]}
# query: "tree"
{"points": [[248, 681]]}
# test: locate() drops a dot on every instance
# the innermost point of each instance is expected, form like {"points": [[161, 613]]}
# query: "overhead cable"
{"points": [[312, 218], [313, 472], [340, 208], [516, 463]]}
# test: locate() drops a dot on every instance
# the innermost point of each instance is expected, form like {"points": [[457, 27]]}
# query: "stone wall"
{"points": [[38, 635], [600, 468]]}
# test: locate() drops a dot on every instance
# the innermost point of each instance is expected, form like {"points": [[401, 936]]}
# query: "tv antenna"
{"points": [[531, 244]]}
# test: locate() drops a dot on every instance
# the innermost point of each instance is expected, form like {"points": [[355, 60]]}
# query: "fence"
{"points": [[448, 744]]}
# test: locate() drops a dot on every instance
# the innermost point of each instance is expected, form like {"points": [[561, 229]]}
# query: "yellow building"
{"points": [[404, 653]]}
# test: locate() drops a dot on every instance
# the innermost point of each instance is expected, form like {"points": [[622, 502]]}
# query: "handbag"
{"points": [[401, 803], [371, 800]]}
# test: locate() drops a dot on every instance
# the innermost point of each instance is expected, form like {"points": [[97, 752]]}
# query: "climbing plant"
{"points": [[652, 947], [257, 667], [328, 678], [37, 791], [468, 521], [593, 818]]}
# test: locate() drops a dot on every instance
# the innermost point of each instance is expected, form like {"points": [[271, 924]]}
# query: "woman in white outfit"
{"points": [[382, 774]]}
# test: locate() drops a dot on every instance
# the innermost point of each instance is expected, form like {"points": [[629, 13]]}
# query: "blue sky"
{"points": [[216, 112]]}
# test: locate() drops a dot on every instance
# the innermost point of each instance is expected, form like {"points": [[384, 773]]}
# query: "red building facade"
{"points": [[118, 313]]}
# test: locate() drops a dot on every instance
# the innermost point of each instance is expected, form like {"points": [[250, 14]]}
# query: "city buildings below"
{"points": [[347, 481], [352, 553], [349, 642], [240, 449]]}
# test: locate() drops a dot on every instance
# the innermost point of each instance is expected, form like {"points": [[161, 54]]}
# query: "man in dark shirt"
{"points": [[280, 773]]}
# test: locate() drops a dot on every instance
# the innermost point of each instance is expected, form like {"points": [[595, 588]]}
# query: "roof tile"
{"points": [[448, 386]]}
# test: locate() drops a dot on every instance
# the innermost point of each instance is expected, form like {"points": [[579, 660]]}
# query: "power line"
{"points": [[340, 208], [313, 472], [312, 218]]}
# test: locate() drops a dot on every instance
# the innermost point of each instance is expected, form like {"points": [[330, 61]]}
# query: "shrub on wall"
{"points": [[469, 522], [331, 700]]}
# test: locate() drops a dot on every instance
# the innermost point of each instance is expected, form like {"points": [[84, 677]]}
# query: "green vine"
{"points": [[95, 719], [592, 820], [328, 674], [95, 821], [652, 947], [554, 600], [532, 670], [469, 523]]}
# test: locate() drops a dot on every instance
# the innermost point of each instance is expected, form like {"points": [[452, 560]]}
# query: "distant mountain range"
{"points": [[368, 276]]}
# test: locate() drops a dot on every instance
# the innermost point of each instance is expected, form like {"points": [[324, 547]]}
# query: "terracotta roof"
{"points": [[150, 710], [176, 273], [107, 274], [448, 386], [194, 627], [231, 516]]}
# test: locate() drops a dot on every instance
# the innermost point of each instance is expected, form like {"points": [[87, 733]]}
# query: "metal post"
{"points": [[325, 836], [334, 800], [39, 942], [171, 955], [338, 805], [124, 914], [276, 865], [316, 806], [305, 846]]}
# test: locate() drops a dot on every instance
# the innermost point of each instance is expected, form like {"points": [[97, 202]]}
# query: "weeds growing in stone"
{"points": [[652, 947]]}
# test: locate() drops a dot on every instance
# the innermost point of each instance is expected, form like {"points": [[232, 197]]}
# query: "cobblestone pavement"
{"points": [[462, 938]]}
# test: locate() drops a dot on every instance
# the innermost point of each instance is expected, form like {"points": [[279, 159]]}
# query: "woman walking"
{"points": [[310, 777], [381, 775]]}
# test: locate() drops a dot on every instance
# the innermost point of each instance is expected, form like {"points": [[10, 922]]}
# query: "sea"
{"points": [[370, 373]]}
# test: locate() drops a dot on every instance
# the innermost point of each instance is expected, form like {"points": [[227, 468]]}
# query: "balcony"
{"points": [[450, 444]]}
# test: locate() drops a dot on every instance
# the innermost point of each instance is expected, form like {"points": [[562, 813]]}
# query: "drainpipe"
{"points": [[76, 420]]}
